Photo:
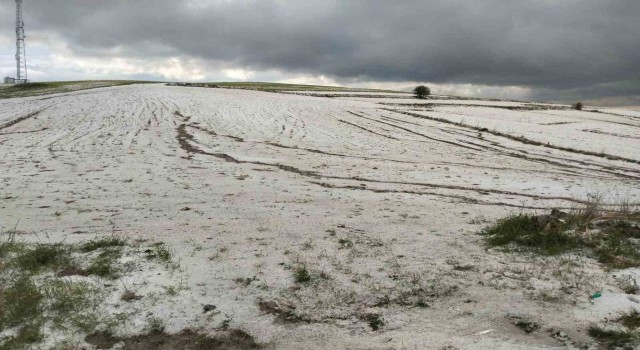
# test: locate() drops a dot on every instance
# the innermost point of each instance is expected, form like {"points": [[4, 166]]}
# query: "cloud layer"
{"points": [[554, 48]]}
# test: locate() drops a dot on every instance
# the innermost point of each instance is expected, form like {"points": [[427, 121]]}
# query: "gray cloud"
{"points": [[570, 48]]}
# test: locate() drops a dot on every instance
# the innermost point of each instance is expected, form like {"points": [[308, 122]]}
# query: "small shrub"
{"points": [[421, 91], [129, 296], [578, 106], [345, 243], [422, 304], [301, 275], [525, 324], [375, 321]]}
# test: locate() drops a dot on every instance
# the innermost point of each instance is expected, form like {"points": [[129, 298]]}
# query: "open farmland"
{"points": [[318, 219]]}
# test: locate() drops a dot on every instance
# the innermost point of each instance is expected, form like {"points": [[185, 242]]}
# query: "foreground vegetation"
{"points": [[55, 289], [609, 234], [622, 332]]}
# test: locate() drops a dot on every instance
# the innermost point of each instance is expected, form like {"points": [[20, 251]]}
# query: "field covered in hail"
{"points": [[312, 220]]}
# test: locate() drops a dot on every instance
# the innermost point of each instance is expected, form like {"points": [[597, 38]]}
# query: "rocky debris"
{"points": [[209, 308]]}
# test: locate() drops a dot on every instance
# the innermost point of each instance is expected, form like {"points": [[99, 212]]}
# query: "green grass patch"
{"points": [[21, 302], [612, 238], [36, 298], [27, 304], [26, 336], [72, 304], [524, 231]]}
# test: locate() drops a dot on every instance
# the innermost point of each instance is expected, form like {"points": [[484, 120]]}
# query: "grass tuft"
{"points": [[161, 252], [155, 326], [43, 256], [105, 265]]}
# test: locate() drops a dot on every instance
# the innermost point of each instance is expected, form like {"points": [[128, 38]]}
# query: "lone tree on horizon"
{"points": [[422, 91]]}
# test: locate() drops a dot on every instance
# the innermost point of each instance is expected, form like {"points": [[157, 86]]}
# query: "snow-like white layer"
{"points": [[355, 93], [417, 102], [244, 183]]}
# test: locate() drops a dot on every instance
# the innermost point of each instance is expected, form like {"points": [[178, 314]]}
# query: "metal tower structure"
{"points": [[21, 52]]}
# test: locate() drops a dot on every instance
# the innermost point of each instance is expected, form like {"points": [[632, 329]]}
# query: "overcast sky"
{"points": [[557, 50]]}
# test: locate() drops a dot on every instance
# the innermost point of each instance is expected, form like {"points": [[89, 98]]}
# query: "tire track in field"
{"points": [[563, 162], [21, 119], [187, 143], [416, 133]]}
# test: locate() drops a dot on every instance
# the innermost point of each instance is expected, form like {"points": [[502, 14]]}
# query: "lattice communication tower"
{"points": [[21, 52]]}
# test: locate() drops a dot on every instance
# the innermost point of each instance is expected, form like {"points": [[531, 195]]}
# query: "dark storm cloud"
{"points": [[556, 45]]}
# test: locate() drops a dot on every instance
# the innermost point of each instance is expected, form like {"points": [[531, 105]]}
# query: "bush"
{"points": [[422, 91], [578, 106]]}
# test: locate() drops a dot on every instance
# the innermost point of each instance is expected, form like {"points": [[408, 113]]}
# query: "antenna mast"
{"points": [[21, 52]]}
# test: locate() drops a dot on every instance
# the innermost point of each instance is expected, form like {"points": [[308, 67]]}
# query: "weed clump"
{"points": [[160, 252], [526, 324], [375, 321]]}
